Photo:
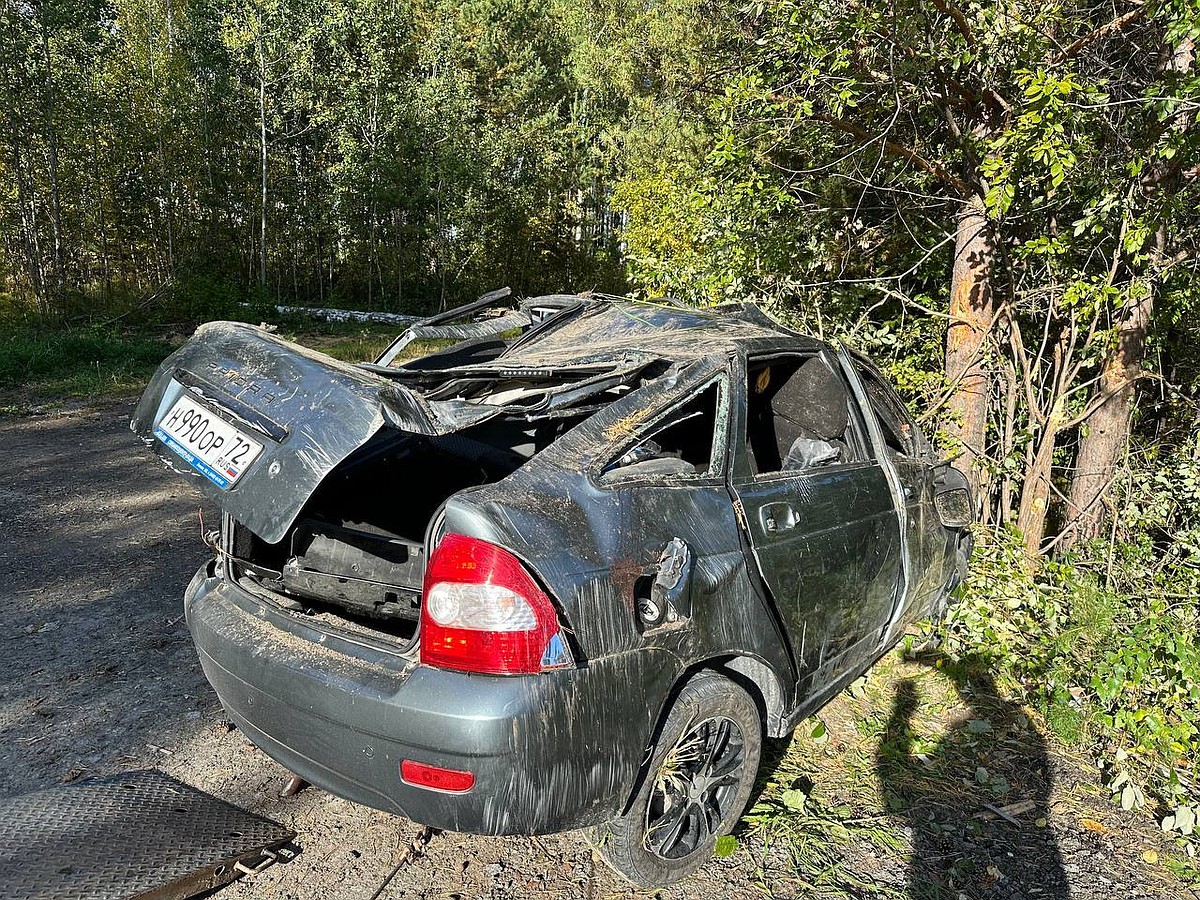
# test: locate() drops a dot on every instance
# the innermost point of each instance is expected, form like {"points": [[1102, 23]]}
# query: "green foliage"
{"points": [[1106, 641], [48, 363], [365, 153]]}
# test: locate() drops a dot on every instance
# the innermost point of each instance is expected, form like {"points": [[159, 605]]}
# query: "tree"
{"points": [[875, 163]]}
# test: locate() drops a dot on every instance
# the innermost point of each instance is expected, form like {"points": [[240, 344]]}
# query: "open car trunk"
{"points": [[262, 422], [356, 552], [330, 475]]}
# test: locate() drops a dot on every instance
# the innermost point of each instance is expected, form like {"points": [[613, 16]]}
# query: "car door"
{"points": [[684, 570], [909, 453], [824, 531]]}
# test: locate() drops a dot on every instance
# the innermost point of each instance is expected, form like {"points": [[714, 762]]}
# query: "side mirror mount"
{"points": [[952, 497]]}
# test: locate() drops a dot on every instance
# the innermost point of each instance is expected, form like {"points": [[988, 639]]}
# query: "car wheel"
{"points": [[702, 769]]}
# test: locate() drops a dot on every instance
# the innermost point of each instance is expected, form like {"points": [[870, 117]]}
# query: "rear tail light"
{"points": [[484, 613]]}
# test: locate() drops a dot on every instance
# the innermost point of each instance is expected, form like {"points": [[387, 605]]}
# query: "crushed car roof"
{"points": [[607, 328]]}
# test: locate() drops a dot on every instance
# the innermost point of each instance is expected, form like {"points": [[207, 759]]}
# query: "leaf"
{"points": [[1185, 819], [858, 688], [820, 733], [979, 726], [726, 846], [1128, 797], [794, 799], [1150, 856]]}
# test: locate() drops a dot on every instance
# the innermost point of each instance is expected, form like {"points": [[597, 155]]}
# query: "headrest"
{"points": [[815, 399]]}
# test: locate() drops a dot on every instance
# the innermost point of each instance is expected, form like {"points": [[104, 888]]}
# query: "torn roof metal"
{"points": [[575, 332], [604, 329]]}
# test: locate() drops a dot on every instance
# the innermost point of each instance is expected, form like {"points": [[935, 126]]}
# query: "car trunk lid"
{"points": [[300, 414], [307, 411]]}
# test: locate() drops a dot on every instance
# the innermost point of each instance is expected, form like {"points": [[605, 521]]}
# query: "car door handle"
{"points": [[777, 517]]}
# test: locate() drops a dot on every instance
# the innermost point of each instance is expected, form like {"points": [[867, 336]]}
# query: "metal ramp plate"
{"points": [[140, 834]]}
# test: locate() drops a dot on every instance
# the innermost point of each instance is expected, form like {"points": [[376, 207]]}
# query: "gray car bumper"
{"points": [[549, 752]]}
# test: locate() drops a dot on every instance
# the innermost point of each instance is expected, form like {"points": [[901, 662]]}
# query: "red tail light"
{"points": [[482, 612]]}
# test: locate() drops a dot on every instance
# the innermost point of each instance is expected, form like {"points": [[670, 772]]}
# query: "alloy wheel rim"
{"points": [[694, 788]]}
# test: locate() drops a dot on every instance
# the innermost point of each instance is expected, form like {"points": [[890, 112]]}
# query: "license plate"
{"points": [[210, 445]]}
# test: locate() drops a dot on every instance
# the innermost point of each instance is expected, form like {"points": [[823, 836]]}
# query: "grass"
{"points": [[45, 366], [905, 769], [347, 341]]}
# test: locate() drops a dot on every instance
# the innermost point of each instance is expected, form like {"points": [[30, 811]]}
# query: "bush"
{"points": [[1106, 641]]}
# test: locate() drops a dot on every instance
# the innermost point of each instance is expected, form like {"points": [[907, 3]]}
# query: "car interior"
{"points": [[681, 444], [798, 415]]}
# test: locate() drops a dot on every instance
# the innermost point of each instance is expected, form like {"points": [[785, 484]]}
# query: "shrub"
{"points": [[1106, 640]]}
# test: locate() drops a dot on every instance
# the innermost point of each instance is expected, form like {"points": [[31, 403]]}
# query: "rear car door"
{"points": [[909, 453], [817, 511], [675, 523]]}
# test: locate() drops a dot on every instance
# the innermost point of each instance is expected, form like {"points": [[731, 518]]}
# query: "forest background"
{"points": [[999, 201]]}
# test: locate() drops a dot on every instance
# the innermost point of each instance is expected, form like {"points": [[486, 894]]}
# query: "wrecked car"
{"points": [[565, 572]]}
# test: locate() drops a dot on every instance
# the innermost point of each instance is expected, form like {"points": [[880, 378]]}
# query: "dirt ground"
{"points": [[97, 675]]}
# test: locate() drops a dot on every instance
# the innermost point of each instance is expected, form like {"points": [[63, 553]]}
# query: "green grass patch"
{"points": [[44, 365], [355, 342], [349, 342], [1066, 722], [47, 363]]}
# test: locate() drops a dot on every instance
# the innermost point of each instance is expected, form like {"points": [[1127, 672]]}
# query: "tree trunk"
{"points": [[29, 240], [1035, 493], [1107, 428], [168, 191], [262, 158], [52, 134], [99, 199], [971, 312], [1106, 431]]}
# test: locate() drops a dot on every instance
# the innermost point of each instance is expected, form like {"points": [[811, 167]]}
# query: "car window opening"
{"points": [[681, 444], [798, 413], [898, 431]]}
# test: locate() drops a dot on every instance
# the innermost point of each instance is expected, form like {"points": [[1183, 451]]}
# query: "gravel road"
{"points": [[97, 675]]}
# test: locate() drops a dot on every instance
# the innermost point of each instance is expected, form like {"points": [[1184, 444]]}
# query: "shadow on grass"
{"points": [[975, 802]]}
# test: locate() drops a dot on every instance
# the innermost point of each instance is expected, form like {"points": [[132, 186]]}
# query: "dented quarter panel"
{"points": [[590, 542]]}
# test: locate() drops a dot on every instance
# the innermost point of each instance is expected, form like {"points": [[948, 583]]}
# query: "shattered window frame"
{"points": [[718, 461], [891, 413], [860, 443]]}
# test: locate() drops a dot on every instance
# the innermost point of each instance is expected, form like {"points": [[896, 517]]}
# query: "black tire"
{"points": [[680, 810]]}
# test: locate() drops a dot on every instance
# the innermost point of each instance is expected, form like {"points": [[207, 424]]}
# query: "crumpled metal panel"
{"points": [[136, 835]]}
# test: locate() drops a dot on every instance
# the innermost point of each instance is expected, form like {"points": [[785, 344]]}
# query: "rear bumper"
{"points": [[550, 752]]}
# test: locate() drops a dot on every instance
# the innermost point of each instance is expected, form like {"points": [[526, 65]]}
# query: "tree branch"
{"points": [[960, 20], [1117, 24], [937, 171]]}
